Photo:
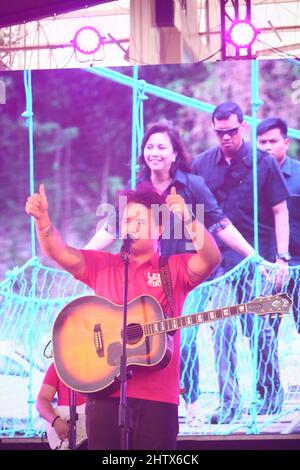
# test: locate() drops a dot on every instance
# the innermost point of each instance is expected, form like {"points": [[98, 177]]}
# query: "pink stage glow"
{"points": [[87, 40], [242, 34]]}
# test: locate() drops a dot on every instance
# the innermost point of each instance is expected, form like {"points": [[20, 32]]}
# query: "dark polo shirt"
{"points": [[232, 186], [194, 191], [291, 173]]}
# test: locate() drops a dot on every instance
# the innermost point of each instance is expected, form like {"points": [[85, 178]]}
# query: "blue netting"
{"points": [[247, 362], [253, 363], [217, 356], [31, 298]]}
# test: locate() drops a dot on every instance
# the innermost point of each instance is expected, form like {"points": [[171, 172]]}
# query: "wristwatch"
{"points": [[284, 256]]}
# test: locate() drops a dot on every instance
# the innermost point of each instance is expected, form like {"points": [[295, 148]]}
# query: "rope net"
{"points": [[31, 298], [244, 366], [219, 365], [247, 365]]}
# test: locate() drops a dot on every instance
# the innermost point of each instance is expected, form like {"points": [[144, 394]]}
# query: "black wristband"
{"points": [[219, 225], [53, 422]]}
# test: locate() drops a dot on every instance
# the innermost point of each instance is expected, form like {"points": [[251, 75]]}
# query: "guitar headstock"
{"points": [[274, 304]]}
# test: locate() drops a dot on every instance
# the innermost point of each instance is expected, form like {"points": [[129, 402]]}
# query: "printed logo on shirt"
{"points": [[154, 279]]}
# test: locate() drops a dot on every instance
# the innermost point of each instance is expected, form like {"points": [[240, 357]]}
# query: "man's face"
{"points": [[138, 223], [230, 133], [274, 143]]}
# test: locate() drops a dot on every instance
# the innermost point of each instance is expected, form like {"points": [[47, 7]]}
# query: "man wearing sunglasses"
{"points": [[228, 172], [272, 137]]}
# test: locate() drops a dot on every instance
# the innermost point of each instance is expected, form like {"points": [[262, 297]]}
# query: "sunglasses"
{"points": [[232, 132]]}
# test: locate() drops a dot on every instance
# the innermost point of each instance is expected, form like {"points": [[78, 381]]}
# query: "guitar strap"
{"points": [[165, 276]]}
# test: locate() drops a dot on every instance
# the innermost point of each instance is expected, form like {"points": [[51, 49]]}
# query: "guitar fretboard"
{"points": [[172, 324]]}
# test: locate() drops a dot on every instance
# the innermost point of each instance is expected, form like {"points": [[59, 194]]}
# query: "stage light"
{"points": [[87, 40], [242, 34]]}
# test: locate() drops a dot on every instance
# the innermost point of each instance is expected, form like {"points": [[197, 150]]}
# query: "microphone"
{"points": [[127, 241]]}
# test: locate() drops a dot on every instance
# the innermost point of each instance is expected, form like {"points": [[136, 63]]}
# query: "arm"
{"points": [[218, 224], [46, 410], [235, 240], [281, 222], [282, 234], [51, 242], [208, 255]]}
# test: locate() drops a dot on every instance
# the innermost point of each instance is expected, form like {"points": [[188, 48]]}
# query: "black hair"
{"points": [[146, 195], [272, 123], [224, 111]]}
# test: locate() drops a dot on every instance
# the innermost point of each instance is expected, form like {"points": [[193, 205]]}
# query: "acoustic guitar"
{"points": [[87, 335]]}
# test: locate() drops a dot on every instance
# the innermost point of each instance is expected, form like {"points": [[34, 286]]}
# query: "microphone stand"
{"points": [[125, 419], [73, 419]]}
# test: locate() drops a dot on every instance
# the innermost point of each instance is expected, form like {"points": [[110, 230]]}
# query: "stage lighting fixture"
{"points": [[242, 34], [87, 40]]}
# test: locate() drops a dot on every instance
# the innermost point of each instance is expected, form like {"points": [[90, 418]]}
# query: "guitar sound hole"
{"points": [[134, 333]]}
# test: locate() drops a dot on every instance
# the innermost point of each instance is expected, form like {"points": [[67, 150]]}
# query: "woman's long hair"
{"points": [[182, 161]]}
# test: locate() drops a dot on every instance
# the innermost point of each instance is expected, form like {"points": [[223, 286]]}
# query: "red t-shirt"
{"points": [[104, 272], [63, 392]]}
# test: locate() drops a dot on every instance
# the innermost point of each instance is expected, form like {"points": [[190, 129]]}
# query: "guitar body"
{"points": [[87, 341], [54, 441], [87, 336]]}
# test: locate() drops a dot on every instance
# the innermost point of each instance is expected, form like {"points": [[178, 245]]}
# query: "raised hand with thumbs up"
{"points": [[37, 206], [51, 242], [176, 204]]}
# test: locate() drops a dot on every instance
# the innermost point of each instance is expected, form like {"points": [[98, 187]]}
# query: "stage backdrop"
{"points": [[82, 153]]}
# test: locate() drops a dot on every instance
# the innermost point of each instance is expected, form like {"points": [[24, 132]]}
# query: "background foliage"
{"points": [[82, 136]]}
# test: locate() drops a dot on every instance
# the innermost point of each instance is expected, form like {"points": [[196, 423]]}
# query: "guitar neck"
{"points": [[176, 323]]}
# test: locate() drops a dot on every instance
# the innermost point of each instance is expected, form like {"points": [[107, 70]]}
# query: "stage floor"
{"points": [[199, 442], [270, 432]]}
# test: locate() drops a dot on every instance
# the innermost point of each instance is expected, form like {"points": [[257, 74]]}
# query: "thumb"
{"points": [[173, 190], [42, 192]]}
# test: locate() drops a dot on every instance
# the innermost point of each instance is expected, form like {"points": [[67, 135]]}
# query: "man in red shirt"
{"points": [[153, 393]]}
